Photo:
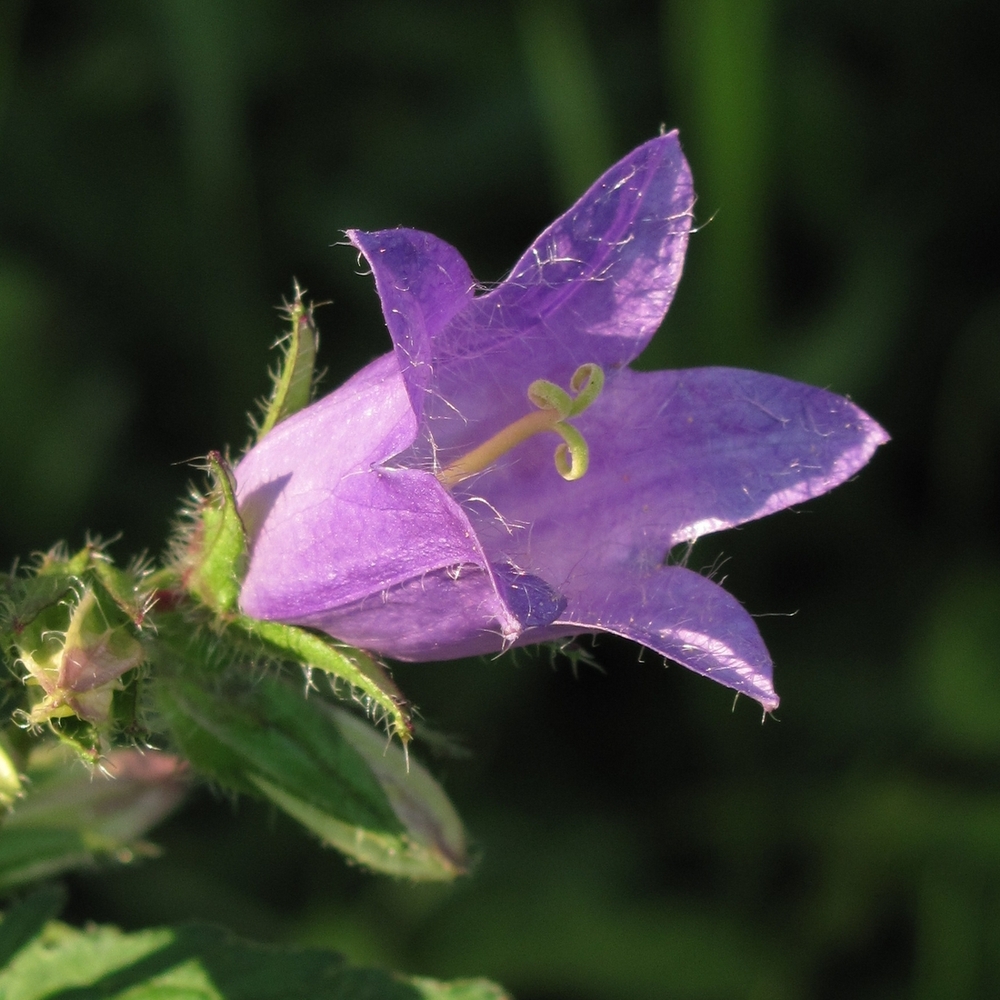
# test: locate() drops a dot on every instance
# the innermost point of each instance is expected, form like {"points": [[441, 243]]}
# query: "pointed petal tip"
{"points": [[769, 702], [870, 436], [685, 617], [877, 434]]}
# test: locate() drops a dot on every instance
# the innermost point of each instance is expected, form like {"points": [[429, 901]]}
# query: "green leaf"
{"points": [[10, 780], [434, 846], [459, 989], [431, 846], [62, 958], [71, 816], [28, 855], [267, 730], [334, 773], [25, 919], [356, 668], [200, 962], [219, 544], [294, 381]]}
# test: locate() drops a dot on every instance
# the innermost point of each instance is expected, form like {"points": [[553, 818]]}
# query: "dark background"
{"points": [[168, 166]]}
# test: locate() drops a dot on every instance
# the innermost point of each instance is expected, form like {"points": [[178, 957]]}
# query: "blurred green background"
{"points": [[168, 166]]}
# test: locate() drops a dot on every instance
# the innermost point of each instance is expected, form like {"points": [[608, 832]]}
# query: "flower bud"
{"points": [[78, 669]]}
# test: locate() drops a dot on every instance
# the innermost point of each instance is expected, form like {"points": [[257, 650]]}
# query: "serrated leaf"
{"points": [[200, 962], [356, 668], [62, 958], [294, 381]]}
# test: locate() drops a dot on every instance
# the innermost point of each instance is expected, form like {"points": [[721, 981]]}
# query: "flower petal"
{"points": [[680, 614], [422, 283], [673, 455], [593, 287], [329, 526], [442, 614], [598, 282]]}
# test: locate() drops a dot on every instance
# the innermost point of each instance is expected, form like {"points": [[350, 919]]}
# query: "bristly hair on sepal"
{"points": [[294, 379]]}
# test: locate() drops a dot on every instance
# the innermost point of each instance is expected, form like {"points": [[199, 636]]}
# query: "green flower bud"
{"points": [[78, 669]]}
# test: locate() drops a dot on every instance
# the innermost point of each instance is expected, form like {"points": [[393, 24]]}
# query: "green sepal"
{"points": [[293, 381], [129, 589], [80, 668], [27, 593], [364, 674], [27, 596], [217, 550], [23, 597], [205, 962]]}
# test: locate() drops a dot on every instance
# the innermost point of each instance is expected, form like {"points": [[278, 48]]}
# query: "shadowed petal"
{"points": [[680, 614], [327, 524], [441, 614]]}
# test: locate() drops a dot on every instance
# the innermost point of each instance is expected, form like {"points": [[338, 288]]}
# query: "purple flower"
{"points": [[417, 510]]}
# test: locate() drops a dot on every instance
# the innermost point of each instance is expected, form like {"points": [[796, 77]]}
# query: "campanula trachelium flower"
{"points": [[502, 477]]}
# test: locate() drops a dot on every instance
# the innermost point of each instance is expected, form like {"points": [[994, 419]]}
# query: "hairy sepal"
{"points": [[293, 382]]}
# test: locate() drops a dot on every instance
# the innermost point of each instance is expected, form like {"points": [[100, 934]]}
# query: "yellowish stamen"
{"points": [[556, 406]]}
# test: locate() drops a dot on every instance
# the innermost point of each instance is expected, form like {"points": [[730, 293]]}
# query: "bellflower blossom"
{"points": [[417, 510]]}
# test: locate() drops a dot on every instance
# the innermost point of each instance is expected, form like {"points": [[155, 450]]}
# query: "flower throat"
{"points": [[555, 407]]}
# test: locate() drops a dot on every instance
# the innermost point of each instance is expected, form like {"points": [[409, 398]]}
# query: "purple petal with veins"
{"points": [[355, 530]]}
